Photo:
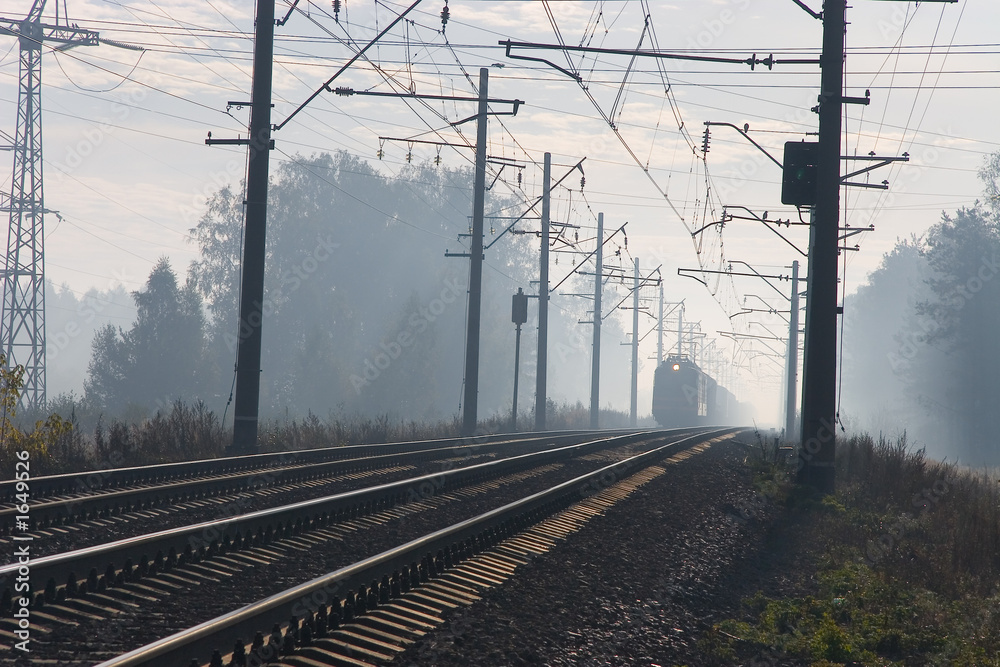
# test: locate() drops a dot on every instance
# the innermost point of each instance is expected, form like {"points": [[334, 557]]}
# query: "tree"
{"points": [[161, 358], [354, 260], [32, 448], [958, 384], [879, 342]]}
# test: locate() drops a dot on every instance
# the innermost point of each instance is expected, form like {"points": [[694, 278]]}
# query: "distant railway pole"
{"points": [[470, 405], [792, 359], [659, 332], [595, 357], [680, 330], [634, 409], [543, 298]]}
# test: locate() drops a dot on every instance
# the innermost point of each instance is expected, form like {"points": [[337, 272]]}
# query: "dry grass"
{"points": [[908, 568], [192, 432]]}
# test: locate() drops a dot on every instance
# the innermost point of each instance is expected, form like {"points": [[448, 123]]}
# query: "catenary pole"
{"points": [[470, 404], [816, 465], [792, 369], [543, 300], [633, 413], [595, 357], [659, 332], [247, 401]]}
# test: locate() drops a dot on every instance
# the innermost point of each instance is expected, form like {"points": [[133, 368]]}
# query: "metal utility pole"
{"points": [[543, 299], [471, 402], [22, 328], [816, 466], [680, 331], [470, 405], [518, 315], [659, 332], [633, 414], [792, 363], [247, 405], [595, 357], [817, 453]]}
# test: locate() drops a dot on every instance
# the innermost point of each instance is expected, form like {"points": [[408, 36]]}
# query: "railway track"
{"points": [[121, 580], [179, 493]]}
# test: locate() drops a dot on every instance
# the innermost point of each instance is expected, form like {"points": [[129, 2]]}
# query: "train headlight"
{"points": [[677, 367]]}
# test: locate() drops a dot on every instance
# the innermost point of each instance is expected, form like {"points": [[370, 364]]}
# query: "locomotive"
{"points": [[684, 395]]}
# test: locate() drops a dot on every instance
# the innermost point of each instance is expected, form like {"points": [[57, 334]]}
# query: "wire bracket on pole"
{"points": [[808, 9], [232, 142], [743, 131]]}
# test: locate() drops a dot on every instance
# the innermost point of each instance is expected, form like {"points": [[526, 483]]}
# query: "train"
{"points": [[684, 395]]}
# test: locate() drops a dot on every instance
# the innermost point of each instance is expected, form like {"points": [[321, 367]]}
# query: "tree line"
{"points": [[922, 350], [363, 312]]}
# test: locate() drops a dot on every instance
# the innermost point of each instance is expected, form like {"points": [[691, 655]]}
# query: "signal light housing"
{"points": [[798, 178]]}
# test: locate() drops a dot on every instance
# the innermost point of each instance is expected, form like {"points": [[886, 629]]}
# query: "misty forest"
{"points": [[365, 317], [364, 314], [921, 344]]}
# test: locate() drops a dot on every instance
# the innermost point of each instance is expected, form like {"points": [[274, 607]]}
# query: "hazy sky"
{"points": [[127, 168]]}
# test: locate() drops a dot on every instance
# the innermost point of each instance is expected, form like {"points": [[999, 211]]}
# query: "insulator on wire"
{"points": [[583, 182], [445, 15], [518, 178], [704, 143], [336, 10]]}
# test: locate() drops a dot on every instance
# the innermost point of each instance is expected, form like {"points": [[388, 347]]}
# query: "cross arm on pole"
{"points": [[643, 282], [709, 123], [764, 221], [343, 68], [68, 36], [578, 165], [882, 162], [808, 9], [589, 255], [770, 61]]}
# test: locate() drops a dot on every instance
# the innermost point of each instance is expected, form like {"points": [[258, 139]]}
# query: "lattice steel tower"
{"points": [[22, 329]]}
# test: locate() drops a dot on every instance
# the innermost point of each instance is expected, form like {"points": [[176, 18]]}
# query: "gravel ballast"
{"points": [[638, 585]]}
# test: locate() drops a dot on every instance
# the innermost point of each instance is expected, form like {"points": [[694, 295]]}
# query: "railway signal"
{"points": [[518, 315]]}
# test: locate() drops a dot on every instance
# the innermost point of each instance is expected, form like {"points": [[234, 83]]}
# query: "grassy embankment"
{"points": [[900, 567]]}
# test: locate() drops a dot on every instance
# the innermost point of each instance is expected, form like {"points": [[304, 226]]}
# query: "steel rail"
{"points": [[101, 565], [80, 508], [92, 480], [439, 549]]}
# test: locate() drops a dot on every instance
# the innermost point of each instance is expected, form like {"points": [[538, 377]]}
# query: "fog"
{"points": [[921, 350], [364, 314]]}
